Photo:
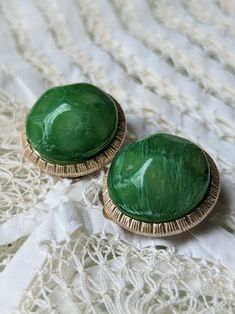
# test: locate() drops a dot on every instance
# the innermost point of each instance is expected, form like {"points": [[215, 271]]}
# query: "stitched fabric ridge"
{"points": [[171, 66]]}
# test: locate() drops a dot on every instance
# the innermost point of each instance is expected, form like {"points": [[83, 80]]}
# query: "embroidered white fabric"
{"points": [[171, 66]]}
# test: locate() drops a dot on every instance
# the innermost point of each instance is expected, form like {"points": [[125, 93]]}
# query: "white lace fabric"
{"points": [[171, 66]]}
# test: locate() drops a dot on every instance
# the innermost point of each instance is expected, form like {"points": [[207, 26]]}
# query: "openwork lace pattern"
{"points": [[171, 65], [99, 274], [21, 184]]}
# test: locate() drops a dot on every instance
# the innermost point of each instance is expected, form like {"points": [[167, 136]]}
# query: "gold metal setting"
{"points": [[165, 228], [79, 169]]}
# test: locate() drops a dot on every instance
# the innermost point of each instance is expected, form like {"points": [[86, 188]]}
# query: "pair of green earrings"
{"points": [[157, 186]]}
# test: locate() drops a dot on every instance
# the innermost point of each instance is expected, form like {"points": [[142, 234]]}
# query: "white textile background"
{"points": [[171, 65]]}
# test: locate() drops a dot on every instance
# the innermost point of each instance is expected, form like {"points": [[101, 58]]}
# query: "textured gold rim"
{"points": [[166, 228], [79, 169]]}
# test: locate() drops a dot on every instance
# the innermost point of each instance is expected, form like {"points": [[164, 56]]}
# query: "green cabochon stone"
{"points": [[159, 178], [71, 124]]}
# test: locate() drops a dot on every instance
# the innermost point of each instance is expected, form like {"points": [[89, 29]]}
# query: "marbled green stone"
{"points": [[72, 123], [159, 178]]}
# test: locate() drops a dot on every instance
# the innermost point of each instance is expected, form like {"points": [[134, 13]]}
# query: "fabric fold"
{"points": [[64, 212]]}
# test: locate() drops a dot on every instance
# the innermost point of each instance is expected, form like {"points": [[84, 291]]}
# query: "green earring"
{"points": [[73, 130], [161, 185]]}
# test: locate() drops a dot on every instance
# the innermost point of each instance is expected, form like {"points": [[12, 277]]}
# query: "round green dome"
{"points": [[159, 178], [71, 124]]}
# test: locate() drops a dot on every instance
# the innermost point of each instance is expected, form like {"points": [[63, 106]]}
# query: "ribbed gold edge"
{"points": [[79, 169], [166, 228]]}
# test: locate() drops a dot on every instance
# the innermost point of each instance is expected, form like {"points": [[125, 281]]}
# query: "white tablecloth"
{"points": [[171, 65]]}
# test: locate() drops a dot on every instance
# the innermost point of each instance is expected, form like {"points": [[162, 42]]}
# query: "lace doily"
{"points": [[171, 66]]}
